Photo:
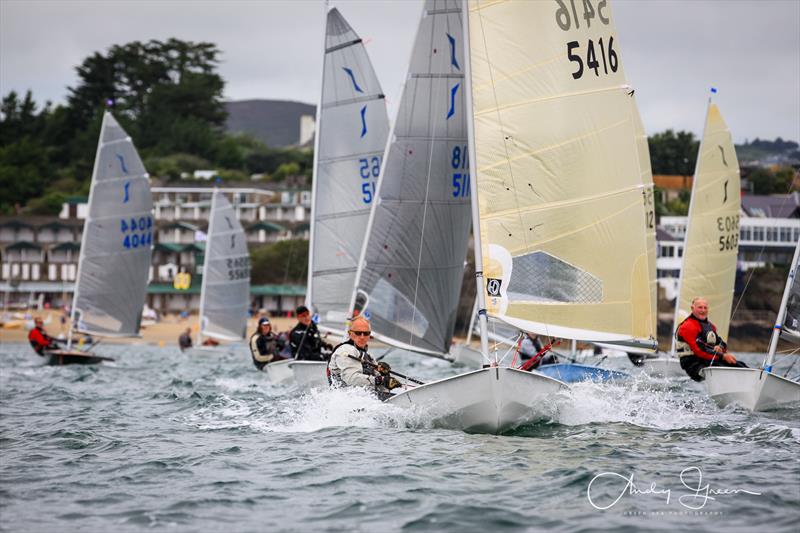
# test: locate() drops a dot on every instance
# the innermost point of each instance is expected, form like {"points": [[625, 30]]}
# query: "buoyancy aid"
{"points": [[334, 375], [705, 339]]}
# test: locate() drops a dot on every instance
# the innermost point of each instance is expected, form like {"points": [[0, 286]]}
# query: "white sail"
{"points": [[413, 258], [790, 329], [712, 233], [117, 239], [352, 128], [558, 170], [225, 292]]}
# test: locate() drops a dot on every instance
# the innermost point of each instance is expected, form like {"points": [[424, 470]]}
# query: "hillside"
{"points": [[274, 122]]}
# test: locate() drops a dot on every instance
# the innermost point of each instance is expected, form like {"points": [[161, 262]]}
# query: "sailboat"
{"points": [[711, 243], [352, 128], [225, 289], [412, 261], [760, 389], [557, 201], [116, 246]]}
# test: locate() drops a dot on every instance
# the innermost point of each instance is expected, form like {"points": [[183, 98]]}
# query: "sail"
{"points": [[414, 253], [352, 127], [791, 320], [117, 240], [712, 232], [226, 274], [558, 170]]}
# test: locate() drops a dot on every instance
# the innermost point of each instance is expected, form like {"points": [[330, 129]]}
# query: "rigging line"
{"points": [[432, 127], [502, 130], [760, 254]]}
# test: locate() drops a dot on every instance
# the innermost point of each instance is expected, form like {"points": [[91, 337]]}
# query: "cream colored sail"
{"points": [[558, 171], [712, 233]]}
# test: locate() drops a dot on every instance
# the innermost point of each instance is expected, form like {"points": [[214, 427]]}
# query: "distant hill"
{"points": [[770, 152], [274, 122]]}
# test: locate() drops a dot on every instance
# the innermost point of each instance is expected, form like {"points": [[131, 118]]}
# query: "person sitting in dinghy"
{"points": [[531, 347], [352, 366], [307, 345], [698, 344], [265, 346], [39, 339]]}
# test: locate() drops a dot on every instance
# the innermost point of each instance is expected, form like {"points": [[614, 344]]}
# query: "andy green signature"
{"points": [[695, 495]]}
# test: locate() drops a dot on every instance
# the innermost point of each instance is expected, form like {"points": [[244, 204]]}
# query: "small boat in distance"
{"points": [[116, 247]]}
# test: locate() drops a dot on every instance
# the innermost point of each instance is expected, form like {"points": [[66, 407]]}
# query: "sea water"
{"points": [[162, 441]]}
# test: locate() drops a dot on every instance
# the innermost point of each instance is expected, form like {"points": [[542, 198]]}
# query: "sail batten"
{"points": [[352, 128]]}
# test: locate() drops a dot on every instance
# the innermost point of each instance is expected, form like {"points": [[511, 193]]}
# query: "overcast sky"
{"points": [[672, 50]]}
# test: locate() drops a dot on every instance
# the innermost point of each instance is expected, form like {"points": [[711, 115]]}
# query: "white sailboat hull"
{"points": [[663, 367], [309, 374], [751, 388], [490, 400], [279, 372]]}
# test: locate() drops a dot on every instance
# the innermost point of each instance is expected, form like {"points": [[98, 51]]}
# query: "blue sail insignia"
{"points": [[122, 163], [453, 60], [453, 92], [363, 121], [353, 79]]}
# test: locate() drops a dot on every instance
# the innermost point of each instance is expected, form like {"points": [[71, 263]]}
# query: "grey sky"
{"points": [[673, 51]]}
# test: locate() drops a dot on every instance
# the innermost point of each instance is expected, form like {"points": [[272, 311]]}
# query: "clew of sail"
{"points": [[413, 255], [225, 294], [117, 240], [560, 186], [712, 232], [352, 126]]}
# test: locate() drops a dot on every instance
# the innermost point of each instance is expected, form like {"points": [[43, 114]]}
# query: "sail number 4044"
{"points": [[136, 232]]}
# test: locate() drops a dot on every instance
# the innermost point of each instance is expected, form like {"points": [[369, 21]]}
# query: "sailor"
{"points": [[39, 339], [530, 347], [265, 346], [698, 345], [185, 340], [304, 338], [352, 366]]}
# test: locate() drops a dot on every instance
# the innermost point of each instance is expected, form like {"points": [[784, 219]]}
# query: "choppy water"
{"points": [[158, 440]]}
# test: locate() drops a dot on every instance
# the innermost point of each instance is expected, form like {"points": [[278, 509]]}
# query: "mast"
{"points": [[473, 183], [776, 332], [686, 234], [72, 325], [315, 175], [205, 266]]}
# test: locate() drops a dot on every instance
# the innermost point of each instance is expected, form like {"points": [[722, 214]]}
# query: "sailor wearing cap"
{"points": [[265, 346]]}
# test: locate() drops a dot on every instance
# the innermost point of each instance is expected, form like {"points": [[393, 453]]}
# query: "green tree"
{"points": [[281, 262], [673, 154]]}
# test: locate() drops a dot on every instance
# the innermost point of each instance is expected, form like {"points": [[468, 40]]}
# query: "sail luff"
{"points": [[205, 267], [82, 251], [780, 319], [480, 296], [675, 322]]}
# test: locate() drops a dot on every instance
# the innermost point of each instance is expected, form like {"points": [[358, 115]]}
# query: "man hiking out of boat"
{"points": [[305, 340], [39, 339], [265, 346], [185, 340], [698, 345], [352, 366]]}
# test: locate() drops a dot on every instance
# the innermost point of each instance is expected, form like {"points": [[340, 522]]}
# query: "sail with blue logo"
{"points": [[225, 291], [352, 128], [414, 252], [117, 242]]}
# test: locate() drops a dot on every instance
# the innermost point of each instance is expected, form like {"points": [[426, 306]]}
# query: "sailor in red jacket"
{"points": [[698, 344], [39, 339]]}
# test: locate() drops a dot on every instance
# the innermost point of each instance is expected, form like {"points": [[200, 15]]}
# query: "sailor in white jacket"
{"points": [[352, 366]]}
